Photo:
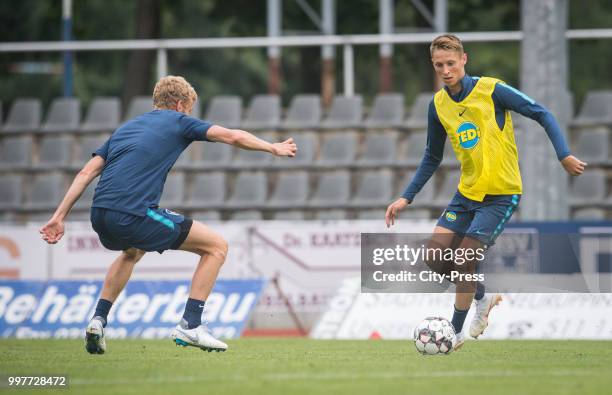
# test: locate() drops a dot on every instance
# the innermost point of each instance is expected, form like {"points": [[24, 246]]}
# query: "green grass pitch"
{"points": [[301, 366]]}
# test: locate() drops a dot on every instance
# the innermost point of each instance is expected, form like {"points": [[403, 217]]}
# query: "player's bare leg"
{"points": [[116, 278], [212, 249]]}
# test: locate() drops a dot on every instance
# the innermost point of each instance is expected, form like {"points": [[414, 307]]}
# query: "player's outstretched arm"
{"points": [[53, 230], [394, 209], [246, 140], [573, 165]]}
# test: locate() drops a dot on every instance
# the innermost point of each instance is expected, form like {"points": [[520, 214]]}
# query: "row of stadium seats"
{"points": [[263, 113]]}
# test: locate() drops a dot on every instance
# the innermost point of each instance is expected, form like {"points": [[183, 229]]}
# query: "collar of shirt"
{"points": [[467, 84]]}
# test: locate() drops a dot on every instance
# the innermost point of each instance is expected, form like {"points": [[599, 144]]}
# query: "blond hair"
{"points": [[171, 89], [447, 42]]}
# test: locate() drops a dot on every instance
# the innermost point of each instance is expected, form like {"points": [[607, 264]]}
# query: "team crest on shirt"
{"points": [[468, 135]]}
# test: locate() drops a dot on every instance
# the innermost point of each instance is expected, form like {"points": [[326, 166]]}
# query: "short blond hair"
{"points": [[171, 89], [447, 42]]}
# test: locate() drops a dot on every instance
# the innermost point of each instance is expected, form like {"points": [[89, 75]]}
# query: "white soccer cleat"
{"points": [[460, 341], [481, 318], [94, 337], [197, 337]]}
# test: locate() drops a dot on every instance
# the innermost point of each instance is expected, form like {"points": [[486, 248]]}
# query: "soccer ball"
{"points": [[435, 336]]}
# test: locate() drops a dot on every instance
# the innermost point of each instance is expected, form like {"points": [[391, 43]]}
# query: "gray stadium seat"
{"points": [[425, 196], [212, 155], [589, 214], [86, 146], [54, 152], [139, 105], [448, 189], [345, 112], [11, 191], [86, 198], [307, 147], [413, 149], [289, 215], [103, 115], [375, 189], [247, 159], [596, 109], [332, 190], [225, 111], [185, 160], [250, 189], [207, 190], [304, 113], [47, 190], [331, 215], [387, 111], [338, 150], [246, 215], [15, 152], [411, 213], [63, 116], [417, 120], [263, 113], [174, 191], [291, 191], [206, 216], [379, 150], [589, 188], [196, 110], [372, 214], [24, 116], [78, 215], [592, 146]]}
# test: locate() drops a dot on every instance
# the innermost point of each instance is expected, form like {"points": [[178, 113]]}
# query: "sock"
{"points": [[480, 291], [458, 319], [102, 309], [193, 312]]}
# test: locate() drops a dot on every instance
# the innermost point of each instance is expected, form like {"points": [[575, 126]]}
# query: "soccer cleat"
{"points": [[94, 337], [197, 337], [460, 341], [481, 318]]}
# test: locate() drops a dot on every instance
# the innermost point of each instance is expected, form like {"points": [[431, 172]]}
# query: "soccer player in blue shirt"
{"points": [[133, 165], [474, 114]]}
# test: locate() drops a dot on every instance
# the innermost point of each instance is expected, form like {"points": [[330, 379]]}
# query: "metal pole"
{"points": [[328, 52], [385, 50], [441, 16], [349, 73], [162, 63], [67, 36], [274, 31]]}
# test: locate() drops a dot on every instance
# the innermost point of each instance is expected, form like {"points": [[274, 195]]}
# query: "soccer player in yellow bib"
{"points": [[474, 114]]}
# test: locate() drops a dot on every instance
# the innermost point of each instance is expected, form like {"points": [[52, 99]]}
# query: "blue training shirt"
{"points": [[139, 155], [505, 98]]}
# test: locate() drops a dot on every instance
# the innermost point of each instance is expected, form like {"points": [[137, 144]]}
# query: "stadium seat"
{"points": [[103, 115], [246, 215], [86, 198], [225, 111], [450, 182], [196, 110], [345, 112], [47, 190], [54, 152], [250, 189], [24, 116], [338, 150], [307, 147], [375, 189], [379, 150], [187, 157], [592, 145], [291, 215], [77, 215], [64, 116], [86, 146], [387, 111], [138, 105], [263, 113], [291, 191], [589, 188], [425, 196], [206, 216], [207, 191], [332, 190], [173, 196], [211, 155], [417, 214], [589, 214], [373, 214], [11, 191], [304, 113], [596, 109], [247, 159], [417, 120], [331, 215], [413, 149], [15, 152]]}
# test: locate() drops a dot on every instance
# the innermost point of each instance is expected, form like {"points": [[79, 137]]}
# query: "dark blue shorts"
{"points": [[159, 230], [482, 221]]}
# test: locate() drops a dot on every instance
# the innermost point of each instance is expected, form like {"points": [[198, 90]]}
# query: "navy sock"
{"points": [[102, 309], [480, 291], [193, 312], [458, 319]]}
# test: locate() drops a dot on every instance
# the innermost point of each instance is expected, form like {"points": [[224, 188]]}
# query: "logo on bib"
{"points": [[451, 216], [170, 212], [468, 135]]}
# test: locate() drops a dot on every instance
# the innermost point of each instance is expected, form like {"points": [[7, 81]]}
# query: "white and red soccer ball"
{"points": [[435, 336]]}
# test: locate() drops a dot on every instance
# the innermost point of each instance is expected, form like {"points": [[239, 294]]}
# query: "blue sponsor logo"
{"points": [[146, 309], [468, 135]]}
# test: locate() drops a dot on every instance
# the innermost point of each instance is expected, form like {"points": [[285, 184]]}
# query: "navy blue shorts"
{"points": [[159, 230], [482, 221]]}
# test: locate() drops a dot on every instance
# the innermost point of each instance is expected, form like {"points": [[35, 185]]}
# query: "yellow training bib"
{"points": [[488, 155]]}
